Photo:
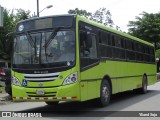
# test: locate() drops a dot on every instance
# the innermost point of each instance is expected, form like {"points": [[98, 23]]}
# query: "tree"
{"points": [[146, 27], [10, 20], [101, 15], [21, 15], [8, 27], [81, 13]]}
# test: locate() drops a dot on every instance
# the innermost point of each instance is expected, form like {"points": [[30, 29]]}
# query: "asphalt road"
{"points": [[122, 106]]}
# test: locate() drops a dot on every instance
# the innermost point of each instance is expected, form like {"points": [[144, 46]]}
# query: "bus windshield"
{"points": [[43, 49]]}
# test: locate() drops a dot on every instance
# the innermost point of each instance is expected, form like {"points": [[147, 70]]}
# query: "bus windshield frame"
{"points": [[45, 49]]}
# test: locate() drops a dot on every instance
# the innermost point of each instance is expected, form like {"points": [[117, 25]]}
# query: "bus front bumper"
{"points": [[62, 93]]}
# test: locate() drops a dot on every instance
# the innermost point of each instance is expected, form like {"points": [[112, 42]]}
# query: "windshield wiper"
{"points": [[32, 43], [53, 34], [30, 39]]}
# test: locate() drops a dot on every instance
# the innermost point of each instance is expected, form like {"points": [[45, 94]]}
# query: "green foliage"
{"points": [[146, 27], [81, 13], [10, 20], [8, 26], [22, 15], [101, 15]]}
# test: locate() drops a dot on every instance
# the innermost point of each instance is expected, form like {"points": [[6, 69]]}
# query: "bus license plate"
{"points": [[40, 92]]}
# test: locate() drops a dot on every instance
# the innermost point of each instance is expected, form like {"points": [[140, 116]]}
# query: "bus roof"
{"points": [[35, 18], [95, 24], [113, 30]]}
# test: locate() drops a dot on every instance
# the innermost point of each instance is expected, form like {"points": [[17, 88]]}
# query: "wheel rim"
{"points": [[105, 93]]}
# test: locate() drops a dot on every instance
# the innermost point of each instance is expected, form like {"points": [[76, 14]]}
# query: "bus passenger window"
{"points": [[93, 49], [84, 50], [88, 45]]}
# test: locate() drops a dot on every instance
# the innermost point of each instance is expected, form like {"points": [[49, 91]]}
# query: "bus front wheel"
{"points": [[105, 93], [52, 103]]}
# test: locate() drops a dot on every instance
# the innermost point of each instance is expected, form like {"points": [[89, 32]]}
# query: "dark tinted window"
{"points": [[117, 41], [104, 37], [119, 53], [105, 51], [129, 45]]}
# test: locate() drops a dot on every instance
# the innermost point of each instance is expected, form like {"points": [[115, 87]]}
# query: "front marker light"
{"points": [[15, 81], [72, 78]]}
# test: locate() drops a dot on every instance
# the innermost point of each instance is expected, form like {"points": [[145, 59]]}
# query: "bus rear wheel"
{"points": [[143, 90], [105, 94]]}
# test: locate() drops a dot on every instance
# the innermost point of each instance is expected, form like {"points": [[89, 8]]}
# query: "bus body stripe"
{"points": [[119, 77], [44, 98]]}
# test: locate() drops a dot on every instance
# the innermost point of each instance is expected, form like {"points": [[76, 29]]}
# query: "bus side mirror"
{"points": [[89, 40], [7, 45]]}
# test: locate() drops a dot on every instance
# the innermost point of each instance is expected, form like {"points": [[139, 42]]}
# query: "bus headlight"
{"points": [[15, 81], [72, 78]]}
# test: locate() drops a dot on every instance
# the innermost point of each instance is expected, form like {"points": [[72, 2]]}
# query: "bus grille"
{"points": [[41, 77], [47, 94]]}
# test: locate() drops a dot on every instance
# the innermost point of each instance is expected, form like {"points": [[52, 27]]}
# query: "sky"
{"points": [[122, 11]]}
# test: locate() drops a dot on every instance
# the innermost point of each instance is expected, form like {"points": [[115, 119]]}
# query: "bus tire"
{"points": [[143, 89], [52, 103], [105, 94]]}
